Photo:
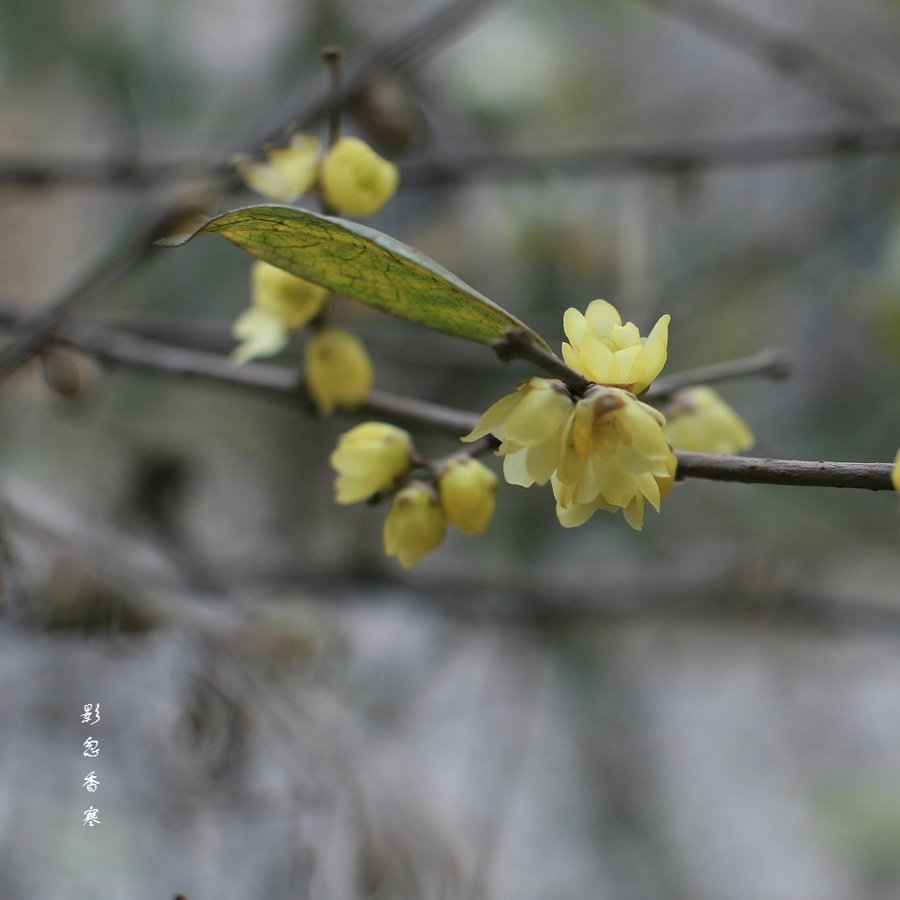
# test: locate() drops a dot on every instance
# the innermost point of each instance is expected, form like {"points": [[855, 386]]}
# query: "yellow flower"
{"points": [[467, 488], [287, 172], [337, 370], [414, 525], [616, 457], [895, 472], [355, 180], [530, 425], [260, 332], [699, 420], [604, 350], [368, 459], [280, 304], [294, 300]]}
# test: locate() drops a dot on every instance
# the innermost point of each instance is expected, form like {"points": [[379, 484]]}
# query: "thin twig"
{"points": [[788, 56], [517, 344], [773, 364], [672, 156]]}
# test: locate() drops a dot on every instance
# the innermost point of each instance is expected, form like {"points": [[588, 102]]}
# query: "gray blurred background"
{"points": [[707, 709]]}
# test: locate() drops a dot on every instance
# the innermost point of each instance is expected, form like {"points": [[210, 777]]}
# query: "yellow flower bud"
{"points": [[605, 351], [287, 172], [294, 300], [281, 303], [895, 472], [337, 370], [368, 459], [260, 332], [467, 488], [355, 180], [414, 525], [700, 421]]}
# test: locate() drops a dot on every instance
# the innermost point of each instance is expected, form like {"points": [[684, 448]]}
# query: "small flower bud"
{"points": [[294, 300], [414, 525], [67, 375], [287, 173], [368, 459], [280, 304], [700, 421], [337, 370], [261, 333], [355, 180], [467, 489]]}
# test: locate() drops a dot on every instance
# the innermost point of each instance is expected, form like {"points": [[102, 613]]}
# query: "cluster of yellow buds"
{"points": [[280, 304], [375, 457], [336, 367], [603, 450], [350, 176]]}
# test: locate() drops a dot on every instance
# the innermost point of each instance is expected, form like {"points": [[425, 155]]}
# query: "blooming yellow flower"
{"points": [[616, 457], [368, 459], [699, 420], [530, 424], [337, 370], [604, 350], [895, 472], [287, 172], [415, 524], [280, 304], [355, 180], [467, 489]]}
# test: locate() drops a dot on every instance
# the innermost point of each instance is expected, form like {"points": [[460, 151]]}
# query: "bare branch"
{"points": [[678, 156], [675, 157], [772, 364], [788, 56], [796, 472]]}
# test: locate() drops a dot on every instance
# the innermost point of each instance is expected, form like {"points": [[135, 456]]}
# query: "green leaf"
{"points": [[366, 265]]}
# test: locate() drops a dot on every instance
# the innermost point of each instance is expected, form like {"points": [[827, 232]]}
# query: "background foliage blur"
{"points": [[709, 708]]}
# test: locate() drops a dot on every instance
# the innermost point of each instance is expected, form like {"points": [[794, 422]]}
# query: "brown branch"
{"points": [[518, 344], [772, 364], [124, 173], [675, 157], [795, 472], [787, 56], [668, 156]]}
